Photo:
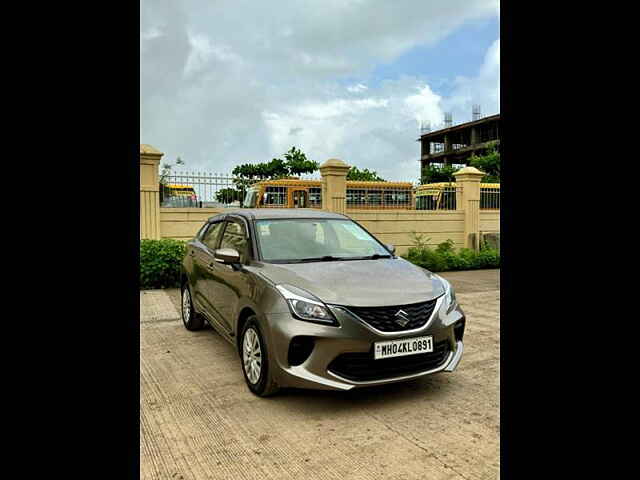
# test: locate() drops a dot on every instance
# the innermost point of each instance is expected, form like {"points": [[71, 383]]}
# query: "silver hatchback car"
{"points": [[310, 299]]}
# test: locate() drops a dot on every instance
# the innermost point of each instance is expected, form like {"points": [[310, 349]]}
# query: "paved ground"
{"points": [[199, 421]]}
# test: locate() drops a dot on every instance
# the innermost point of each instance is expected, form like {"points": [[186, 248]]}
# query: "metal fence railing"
{"points": [[378, 195], [440, 198], [201, 190], [489, 198]]}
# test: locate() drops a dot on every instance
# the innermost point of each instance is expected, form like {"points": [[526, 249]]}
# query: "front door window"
{"points": [[235, 237]]}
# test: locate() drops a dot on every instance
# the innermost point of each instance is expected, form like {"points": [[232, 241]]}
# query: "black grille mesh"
{"points": [[384, 318], [363, 367]]}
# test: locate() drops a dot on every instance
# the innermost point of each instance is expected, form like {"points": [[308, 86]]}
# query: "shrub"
{"points": [[488, 258], [444, 257], [445, 247], [160, 263], [468, 257], [427, 258]]}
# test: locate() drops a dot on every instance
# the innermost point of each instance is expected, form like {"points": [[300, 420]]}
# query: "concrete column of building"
{"points": [[474, 136], [468, 179], [447, 143], [334, 185], [149, 192]]}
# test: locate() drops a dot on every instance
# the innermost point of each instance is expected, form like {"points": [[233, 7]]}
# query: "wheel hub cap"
{"points": [[252, 355], [186, 305]]}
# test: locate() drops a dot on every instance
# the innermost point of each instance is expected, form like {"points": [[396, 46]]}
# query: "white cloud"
{"points": [[357, 88], [239, 81], [377, 132], [319, 126], [425, 105]]}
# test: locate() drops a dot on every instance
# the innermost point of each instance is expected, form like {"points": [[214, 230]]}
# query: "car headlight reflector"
{"points": [[449, 294], [310, 310], [305, 306]]}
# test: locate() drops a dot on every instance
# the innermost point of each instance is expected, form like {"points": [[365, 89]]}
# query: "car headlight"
{"points": [[305, 306], [449, 294]]}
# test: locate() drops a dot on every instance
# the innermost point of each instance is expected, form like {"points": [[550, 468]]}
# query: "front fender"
{"points": [[263, 299]]}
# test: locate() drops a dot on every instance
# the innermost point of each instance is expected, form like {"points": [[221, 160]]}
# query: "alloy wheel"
{"points": [[186, 305], [252, 355]]}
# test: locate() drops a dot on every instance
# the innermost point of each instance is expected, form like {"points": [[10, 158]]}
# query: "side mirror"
{"points": [[390, 247], [228, 256]]}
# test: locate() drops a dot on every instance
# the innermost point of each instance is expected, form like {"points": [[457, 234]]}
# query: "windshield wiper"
{"points": [[326, 258], [375, 256], [329, 258]]}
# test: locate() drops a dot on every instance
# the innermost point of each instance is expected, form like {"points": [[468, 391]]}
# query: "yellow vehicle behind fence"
{"points": [[173, 190], [297, 193], [442, 196], [174, 195]]}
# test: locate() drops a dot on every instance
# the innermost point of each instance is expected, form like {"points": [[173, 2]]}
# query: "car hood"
{"points": [[358, 283]]}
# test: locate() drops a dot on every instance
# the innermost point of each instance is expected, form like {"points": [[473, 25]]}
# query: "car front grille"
{"points": [[384, 318], [362, 366]]}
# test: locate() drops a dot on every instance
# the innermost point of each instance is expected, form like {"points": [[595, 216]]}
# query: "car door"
{"points": [[202, 253], [232, 284]]}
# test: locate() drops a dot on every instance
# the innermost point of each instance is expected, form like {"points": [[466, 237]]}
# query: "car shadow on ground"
{"points": [[434, 387]]}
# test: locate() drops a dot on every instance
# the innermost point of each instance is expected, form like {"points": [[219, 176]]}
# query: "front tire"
{"points": [[254, 359], [192, 321]]}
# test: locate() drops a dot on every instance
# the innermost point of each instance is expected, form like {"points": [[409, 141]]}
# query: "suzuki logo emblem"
{"points": [[402, 318]]}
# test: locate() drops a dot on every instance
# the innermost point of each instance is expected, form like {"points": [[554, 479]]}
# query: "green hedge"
{"points": [[444, 257], [160, 263]]}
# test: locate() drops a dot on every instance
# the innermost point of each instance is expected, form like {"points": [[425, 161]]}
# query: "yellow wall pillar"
{"points": [[334, 185], [149, 192], [469, 179]]}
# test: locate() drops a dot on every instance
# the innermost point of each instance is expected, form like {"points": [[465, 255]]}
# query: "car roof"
{"points": [[275, 213]]}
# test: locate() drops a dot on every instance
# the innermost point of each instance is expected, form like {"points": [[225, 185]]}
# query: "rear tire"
{"points": [[254, 360], [191, 319]]}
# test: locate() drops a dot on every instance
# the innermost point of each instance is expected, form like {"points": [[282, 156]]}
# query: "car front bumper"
{"points": [[353, 336]]}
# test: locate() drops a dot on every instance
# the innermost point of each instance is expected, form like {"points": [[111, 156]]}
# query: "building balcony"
{"points": [[463, 152]]}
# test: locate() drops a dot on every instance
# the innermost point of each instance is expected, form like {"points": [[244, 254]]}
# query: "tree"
{"points": [[435, 173], [228, 195], [488, 163], [364, 175], [295, 163]]}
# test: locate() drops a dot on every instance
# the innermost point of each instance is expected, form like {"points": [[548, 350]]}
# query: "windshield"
{"points": [[306, 240]]}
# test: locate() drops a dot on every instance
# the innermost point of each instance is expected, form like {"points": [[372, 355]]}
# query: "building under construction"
{"points": [[455, 144]]}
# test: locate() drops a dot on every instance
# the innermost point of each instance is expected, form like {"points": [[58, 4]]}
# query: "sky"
{"points": [[228, 82]]}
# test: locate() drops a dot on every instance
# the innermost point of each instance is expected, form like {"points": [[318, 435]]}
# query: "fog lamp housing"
{"points": [[300, 349]]}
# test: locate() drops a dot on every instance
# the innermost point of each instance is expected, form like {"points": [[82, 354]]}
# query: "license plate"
{"points": [[403, 347]]}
